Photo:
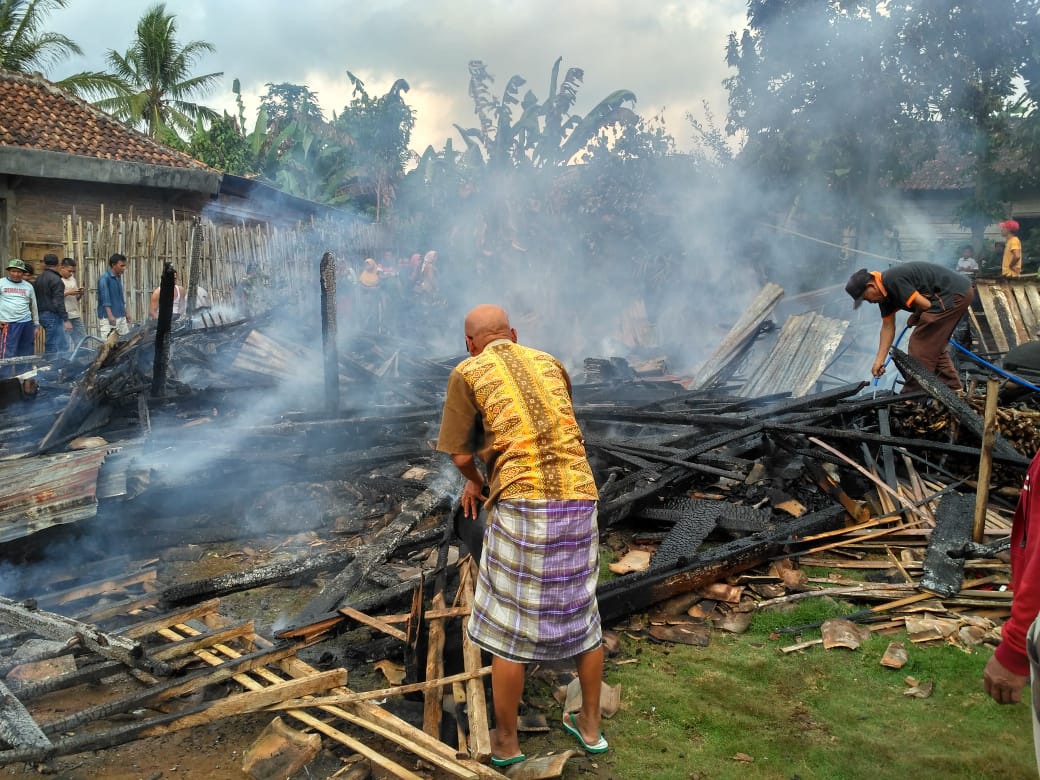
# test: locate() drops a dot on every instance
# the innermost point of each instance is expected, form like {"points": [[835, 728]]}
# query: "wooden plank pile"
{"points": [[155, 660]]}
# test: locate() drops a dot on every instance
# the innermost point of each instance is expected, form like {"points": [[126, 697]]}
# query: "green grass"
{"points": [[688, 711]]}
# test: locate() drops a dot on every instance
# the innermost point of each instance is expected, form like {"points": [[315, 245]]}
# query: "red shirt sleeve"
{"points": [[1025, 576]]}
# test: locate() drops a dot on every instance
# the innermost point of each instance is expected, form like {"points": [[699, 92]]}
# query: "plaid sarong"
{"points": [[535, 596]]}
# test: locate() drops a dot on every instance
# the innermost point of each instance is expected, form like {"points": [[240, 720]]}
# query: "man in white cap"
{"points": [[19, 316]]}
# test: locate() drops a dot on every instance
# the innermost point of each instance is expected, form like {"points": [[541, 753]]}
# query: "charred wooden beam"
{"points": [[236, 704], [851, 434], [635, 592], [161, 362], [258, 576], [958, 408], [678, 417], [17, 727], [441, 494], [811, 401], [888, 461], [943, 573], [33, 690], [153, 695], [60, 628], [327, 274]]}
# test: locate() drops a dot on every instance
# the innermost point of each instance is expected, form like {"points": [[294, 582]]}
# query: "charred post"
{"points": [[164, 319], [194, 261], [328, 332]]}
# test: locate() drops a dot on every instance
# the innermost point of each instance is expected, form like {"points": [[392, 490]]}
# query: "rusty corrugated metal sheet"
{"points": [[730, 352], [1007, 312], [804, 348], [48, 490]]}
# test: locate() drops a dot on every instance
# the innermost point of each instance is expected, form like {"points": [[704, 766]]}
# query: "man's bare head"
{"points": [[484, 324]]}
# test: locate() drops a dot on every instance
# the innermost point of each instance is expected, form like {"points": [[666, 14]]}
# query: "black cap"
{"points": [[857, 285]]}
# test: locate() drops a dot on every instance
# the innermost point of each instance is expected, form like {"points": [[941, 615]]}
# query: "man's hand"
{"points": [[68, 325], [1001, 684], [472, 500], [111, 320], [878, 369]]}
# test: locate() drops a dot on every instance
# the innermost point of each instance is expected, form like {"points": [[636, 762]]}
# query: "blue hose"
{"points": [[997, 369], [889, 358]]}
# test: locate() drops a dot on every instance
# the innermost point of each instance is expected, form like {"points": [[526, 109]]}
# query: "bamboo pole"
{"points": [[989, 436]]}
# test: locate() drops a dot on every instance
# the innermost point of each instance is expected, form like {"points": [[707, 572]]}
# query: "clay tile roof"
{"points": [[953, 170], [37, 114]]}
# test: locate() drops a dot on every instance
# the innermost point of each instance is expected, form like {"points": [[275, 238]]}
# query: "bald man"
{"points": [[535, 600]]}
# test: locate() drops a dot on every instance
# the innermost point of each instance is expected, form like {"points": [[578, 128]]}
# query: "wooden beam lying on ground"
{"points": [[17, 727], [376, 552], [238, 704], [63, 629], [149, 697], [256, 577], [339, 699]]}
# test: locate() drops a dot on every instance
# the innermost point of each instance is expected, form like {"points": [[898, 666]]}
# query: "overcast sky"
{"points": [[670, 54]]}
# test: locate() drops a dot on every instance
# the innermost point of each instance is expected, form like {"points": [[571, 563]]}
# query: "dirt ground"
{"points": [[215, 751]]}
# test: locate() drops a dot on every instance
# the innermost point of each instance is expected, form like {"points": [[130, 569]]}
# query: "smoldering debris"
{"points": [[290, 540]]}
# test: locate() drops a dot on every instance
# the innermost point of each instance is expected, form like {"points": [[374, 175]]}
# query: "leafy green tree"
{"points": [[380, 129], [302, 152], [545, 134], [841, 98], [156, 81], [223, 146], [827, 110], [25, 46], [972, 56]]}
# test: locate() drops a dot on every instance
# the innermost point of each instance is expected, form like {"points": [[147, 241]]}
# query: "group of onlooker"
{"points": [[53, 301], [1006, 253], [392, 290]]}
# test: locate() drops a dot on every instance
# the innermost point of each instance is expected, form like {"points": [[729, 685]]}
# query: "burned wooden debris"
{"points": [[729, 498]]}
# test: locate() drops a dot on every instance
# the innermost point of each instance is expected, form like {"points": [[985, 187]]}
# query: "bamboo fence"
{"points": [[288, 257]]}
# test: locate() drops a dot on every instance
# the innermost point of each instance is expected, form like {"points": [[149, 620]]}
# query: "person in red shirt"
{"points": [[1008, 670]]}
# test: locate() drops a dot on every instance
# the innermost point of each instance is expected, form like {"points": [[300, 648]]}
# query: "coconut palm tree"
{"points": [[26, 47], [155, 74]]}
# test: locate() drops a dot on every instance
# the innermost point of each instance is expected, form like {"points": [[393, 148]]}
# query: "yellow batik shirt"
{"points": [[511, 407]]}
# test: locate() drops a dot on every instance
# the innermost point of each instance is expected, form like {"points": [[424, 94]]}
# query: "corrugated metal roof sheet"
{"points": [[804, 348], [730, 352], [48, 490]]}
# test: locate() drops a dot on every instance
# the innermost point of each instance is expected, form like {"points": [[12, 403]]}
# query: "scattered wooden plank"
{"points": [[60, 628], [373, 622]]}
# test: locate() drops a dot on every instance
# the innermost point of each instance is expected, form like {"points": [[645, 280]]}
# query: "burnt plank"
{"points": [[17, 727], [948, 398], [943, 574], [635, 592], [258, 576], [58, 627], [329, 597]]}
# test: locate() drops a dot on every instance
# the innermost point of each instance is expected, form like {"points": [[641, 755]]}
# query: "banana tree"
{"points": [[545, 134]]}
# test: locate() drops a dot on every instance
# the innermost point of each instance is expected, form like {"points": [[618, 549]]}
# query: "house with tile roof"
{"points": [[927, 221], [59, 155]]}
